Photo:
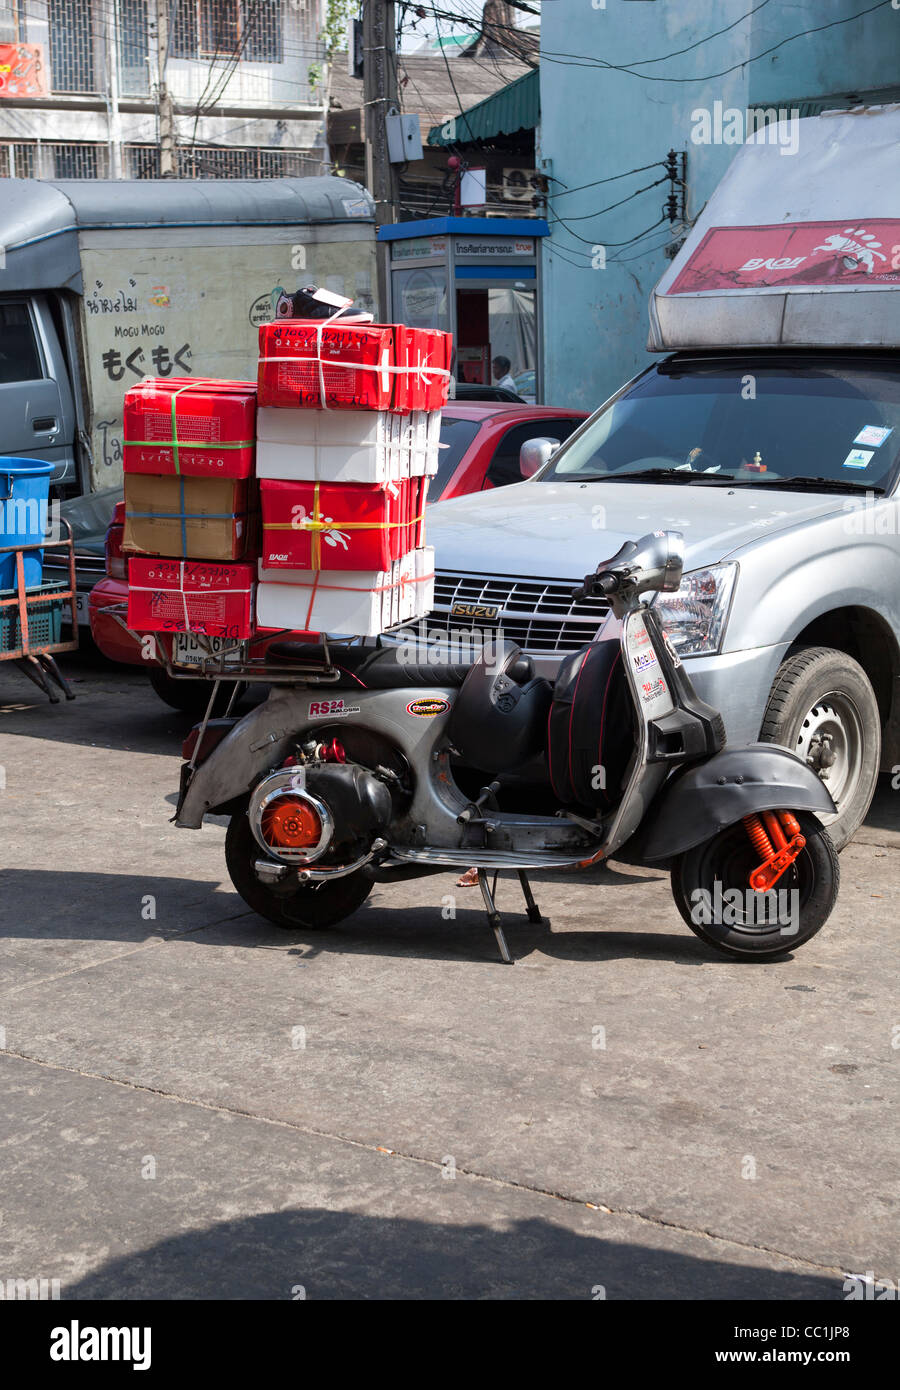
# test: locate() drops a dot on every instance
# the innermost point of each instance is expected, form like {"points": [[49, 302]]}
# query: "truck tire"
{"points": [[822, 707]]}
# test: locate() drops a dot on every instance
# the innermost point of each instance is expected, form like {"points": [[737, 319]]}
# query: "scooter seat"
{"points": [[370, 668]]}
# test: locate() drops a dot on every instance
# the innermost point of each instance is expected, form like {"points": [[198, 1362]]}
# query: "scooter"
{"points": [[367, 767]]}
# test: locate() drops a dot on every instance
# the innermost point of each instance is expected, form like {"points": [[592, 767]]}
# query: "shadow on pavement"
{"points": [[323, 1254], [40, 904]]}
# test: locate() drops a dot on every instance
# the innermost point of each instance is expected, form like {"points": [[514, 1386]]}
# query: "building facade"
{"points": [[623, 83], [79, 82]]}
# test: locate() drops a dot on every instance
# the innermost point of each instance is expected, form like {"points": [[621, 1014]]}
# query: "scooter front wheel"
{"points": [[308, 906], [711, 887]]}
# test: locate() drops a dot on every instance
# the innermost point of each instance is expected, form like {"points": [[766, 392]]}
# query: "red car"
{"points": [[480, 443]]}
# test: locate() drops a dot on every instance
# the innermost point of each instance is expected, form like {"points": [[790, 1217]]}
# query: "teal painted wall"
{"points": [[597, 122]]}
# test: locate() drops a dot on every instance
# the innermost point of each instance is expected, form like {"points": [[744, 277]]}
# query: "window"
{"points": [[456, 436], [505, 463], [183, 31], [250, 29], [71, 46], [261, 31], [822, 417], [19, 356], [133, 46], [220, 26]]}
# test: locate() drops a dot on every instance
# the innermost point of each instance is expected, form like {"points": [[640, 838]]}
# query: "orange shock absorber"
{"points": [[777, 857], [758, 837]]}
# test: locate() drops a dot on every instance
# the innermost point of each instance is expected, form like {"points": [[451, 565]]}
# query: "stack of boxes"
{"points": [[333, 450], [191, 506]]}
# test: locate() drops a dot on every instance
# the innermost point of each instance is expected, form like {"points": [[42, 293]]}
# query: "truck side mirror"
{"points": [[534, 453]]}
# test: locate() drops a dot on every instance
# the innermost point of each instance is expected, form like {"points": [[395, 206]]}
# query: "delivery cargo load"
{"points": [[797, 250], [297, 505]]}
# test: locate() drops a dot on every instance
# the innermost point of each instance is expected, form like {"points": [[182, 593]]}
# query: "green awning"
{"points": [[515, 107]]}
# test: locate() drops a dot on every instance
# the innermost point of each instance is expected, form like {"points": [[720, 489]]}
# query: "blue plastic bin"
{"points": [[24, 493]]}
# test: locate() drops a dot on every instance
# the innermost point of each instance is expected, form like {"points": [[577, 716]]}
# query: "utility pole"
{"points": [[379, 95], [165, 109]]}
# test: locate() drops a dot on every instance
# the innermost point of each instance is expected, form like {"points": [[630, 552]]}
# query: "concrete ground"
{"points": [[194, 1104]]}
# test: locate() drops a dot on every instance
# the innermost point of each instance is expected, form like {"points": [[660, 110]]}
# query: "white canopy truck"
{"points": [[769, 435], [103, 283]]}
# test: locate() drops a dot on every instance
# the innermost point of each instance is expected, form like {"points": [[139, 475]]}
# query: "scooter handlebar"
{"points": [[595, 584]]}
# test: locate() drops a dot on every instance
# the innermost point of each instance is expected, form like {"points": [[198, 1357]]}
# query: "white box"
{"points": [[363, 446], [333, 446], [345, 446], [358, 603]]}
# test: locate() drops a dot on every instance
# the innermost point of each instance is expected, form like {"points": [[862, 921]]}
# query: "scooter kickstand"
{"points": [[534, 912], [493, 915]]}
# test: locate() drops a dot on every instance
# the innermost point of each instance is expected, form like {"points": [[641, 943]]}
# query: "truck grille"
{"points": [[537, 614]]}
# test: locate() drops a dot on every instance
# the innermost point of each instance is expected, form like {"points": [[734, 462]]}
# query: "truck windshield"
{"points": [[816, 425]]}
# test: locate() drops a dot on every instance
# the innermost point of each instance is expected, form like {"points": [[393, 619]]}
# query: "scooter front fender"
{"points": [[734, 783]]}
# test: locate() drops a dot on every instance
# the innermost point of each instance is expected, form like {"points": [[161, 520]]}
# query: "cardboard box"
{"points": [[198, 427], [354, 602], [346, 446], [332, 526], [339, 366], [190, 596], [333, 446], [422, 357], [191, 518], [358, 603]]}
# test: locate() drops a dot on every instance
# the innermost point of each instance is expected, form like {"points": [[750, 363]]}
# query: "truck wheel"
{"points": [[822, 707], [189, 696], [308, 907]]}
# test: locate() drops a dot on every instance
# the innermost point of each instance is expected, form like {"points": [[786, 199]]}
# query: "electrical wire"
{"points": [[641, 169], [588, 216]]}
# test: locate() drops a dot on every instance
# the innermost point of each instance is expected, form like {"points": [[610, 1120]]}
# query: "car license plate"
{"points": [[81, 610], [187, 650]]}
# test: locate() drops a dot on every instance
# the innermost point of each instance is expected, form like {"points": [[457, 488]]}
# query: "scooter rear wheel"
{"points": [[309, 907], [710, 885]]}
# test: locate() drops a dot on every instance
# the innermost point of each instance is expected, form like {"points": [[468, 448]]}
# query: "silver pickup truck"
{"points": [[789, 614], [770, 436]]}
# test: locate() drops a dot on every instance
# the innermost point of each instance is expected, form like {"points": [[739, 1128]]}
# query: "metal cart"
{"points": [[31, 620]]}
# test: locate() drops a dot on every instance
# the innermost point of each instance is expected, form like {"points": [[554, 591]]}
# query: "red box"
{"points": [[421, 368], [199, 427], [355, 360], [332, 526], [201, 596]]}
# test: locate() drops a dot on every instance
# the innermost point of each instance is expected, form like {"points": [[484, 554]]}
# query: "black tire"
{"points": [[311, 907], [189, 696], [727, 860], [822, 693]]}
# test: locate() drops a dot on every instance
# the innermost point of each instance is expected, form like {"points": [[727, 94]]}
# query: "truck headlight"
{"points": [[694, 617]]}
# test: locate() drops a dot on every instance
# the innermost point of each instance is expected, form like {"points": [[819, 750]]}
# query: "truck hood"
{"points": [[564, 530]]}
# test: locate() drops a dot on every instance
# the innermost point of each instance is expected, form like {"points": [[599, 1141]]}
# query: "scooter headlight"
{"points": [[694, 617]]}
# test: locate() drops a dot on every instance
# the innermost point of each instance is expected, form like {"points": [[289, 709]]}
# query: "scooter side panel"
{"points": [[261, 741]]}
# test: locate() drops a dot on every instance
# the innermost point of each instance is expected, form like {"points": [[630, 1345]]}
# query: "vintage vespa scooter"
{"points": [[359, 770]]}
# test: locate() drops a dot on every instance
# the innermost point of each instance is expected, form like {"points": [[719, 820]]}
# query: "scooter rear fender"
{"points": [[263, 739], [734, 783]]}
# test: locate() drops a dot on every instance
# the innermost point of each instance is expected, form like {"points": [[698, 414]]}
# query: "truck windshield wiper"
{"points": [[651, 475], [819, 484]]}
